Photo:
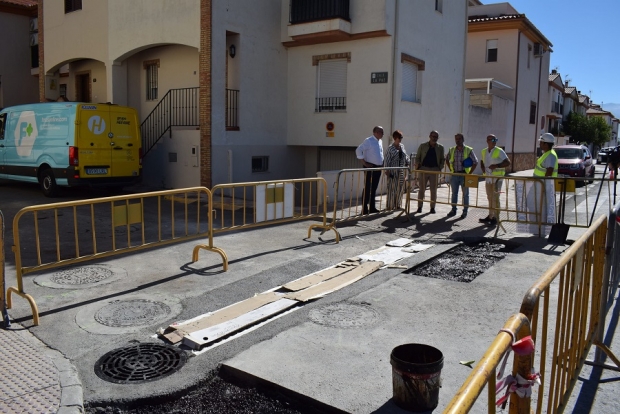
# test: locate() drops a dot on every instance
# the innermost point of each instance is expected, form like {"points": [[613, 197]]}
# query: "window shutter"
{"points": [[332, 78], [410, 82]]}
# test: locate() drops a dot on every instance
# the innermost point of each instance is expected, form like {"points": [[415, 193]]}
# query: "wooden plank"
{"points": [[200, 338], [335, 283], [318, 277], [225, 314]]}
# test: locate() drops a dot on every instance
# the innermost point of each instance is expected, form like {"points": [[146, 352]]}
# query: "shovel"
{"points": [[559, 231]]}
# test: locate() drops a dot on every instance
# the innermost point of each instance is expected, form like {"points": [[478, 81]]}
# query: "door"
{"points": [[94, 141], [125, 142], [82, 87]]}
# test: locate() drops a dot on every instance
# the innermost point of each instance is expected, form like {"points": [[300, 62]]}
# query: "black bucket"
{"points": [[416, 376]]}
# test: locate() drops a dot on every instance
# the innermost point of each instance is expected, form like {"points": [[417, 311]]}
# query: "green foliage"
{"points": [[585, 130]]}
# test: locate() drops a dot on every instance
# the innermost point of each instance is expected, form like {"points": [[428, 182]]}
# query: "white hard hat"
{"points": [[547, 137]]}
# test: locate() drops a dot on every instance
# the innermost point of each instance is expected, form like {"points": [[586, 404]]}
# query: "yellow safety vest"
{"points": [[539, 171], [466, 151], [496, 151]]}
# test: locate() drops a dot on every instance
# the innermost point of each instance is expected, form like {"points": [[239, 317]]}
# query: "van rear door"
{"points": [[94, 141], [125, 141]]}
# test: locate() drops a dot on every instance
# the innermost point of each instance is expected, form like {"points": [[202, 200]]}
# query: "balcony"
{"points": [[305, 11], [331, 104]]}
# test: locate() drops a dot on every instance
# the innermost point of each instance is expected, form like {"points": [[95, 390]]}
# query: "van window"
{"points": [[2, 118]]}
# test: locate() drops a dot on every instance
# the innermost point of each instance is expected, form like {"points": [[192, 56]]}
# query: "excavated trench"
{"points": [[462, 263]]}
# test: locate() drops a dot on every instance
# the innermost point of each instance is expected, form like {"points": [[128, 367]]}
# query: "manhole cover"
{"points": [[344, 315], [139, 363], [82, 275], [463, 263], [132, 313]]}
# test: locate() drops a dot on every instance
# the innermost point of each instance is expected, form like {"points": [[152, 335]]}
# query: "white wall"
{"points": [[439, 39]]}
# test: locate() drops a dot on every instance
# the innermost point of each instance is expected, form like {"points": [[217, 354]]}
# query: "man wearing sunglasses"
{"points": [[430, 157]]}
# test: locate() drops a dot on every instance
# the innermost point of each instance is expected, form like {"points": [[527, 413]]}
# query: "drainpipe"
{"points": [[394, 63], [538, 101], [514, 116]]}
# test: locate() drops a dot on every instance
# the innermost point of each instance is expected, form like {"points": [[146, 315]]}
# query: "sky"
{"points": [[586, 43]]}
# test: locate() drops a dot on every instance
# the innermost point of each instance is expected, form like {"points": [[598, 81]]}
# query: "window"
{"points": [[331, 85], [2, 121], [410, 82], [72, 5], [63, 90], [260, 164], [529, 55], [412, 77], [151, 68], [492, 50], [439, 5], [532, 112]]}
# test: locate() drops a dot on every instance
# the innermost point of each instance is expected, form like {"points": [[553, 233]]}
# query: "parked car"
{"points": [[575, 161], [603, 155]]}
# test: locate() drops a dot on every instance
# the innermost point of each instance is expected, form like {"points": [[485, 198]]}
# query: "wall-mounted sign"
{"points": [[329, 126], [378, 77]]}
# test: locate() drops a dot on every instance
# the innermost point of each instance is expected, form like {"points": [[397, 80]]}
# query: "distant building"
{"points": [[504, 46]]}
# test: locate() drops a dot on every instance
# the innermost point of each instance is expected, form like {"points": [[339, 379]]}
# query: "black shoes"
{"points": [[374, 210], [492, 222], [432, 211], [464, 214], [452, 213], [484, 220], [419, 210]]}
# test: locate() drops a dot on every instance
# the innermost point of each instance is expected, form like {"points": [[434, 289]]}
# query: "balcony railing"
{"points": [[232, 109], [303, 11], [330, 104], [555, 107]]}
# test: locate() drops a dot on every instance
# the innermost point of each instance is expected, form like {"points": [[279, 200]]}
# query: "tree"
{"points": [[587, 131], [599, 130]]}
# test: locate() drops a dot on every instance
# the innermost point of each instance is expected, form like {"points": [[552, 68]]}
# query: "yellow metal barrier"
{"points": [[246, 205], [54, 235], [578, 299], [573, 287], [3, 313], [348, 197], [485, 371]]}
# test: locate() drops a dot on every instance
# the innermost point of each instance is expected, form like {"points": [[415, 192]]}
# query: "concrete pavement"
{"points": [[312, 352]]}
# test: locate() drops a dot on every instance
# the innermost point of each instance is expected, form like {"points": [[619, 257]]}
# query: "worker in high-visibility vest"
{"points": [[547, 163], [493, 163], [541, 195], [461, 160]]}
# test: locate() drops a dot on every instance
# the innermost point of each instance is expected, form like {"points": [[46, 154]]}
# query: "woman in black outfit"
{"points": [[396, 156]]}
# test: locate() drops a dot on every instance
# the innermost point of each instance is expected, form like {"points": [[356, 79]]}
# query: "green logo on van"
{"points": [[29, 129]]}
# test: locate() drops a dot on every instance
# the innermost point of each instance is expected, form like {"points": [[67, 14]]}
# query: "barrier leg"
{"points": [[30, 299], [212, 249], [325, 228]]}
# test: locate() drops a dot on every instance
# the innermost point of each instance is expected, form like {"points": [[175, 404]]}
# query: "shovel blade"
{"points": [[558, 234]]}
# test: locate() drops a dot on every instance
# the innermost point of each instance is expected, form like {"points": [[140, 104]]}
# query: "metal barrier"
{"points": [[348, 198], [485, 372], [3, 312], [246, 205], [564, 336], [71, 232]]}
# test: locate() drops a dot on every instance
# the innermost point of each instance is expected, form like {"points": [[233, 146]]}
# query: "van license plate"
{"points": [[96, 171]]}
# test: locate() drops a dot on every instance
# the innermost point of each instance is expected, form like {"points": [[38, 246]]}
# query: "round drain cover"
{"points": [[139, 363], [344, 315], [134, 312], [82, 275]]}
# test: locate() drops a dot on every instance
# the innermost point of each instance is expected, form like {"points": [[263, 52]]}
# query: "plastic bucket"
{"points": [[416, 376]]}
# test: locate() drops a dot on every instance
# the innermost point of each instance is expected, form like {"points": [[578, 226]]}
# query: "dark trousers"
{"points": [[371, 183]]}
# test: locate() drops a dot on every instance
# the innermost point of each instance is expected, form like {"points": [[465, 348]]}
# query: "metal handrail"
{"points": [[178, 107]]}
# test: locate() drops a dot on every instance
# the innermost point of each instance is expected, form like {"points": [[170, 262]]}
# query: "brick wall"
{"points": [[205, 92]]}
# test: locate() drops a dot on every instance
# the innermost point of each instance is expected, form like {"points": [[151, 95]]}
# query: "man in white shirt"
{"points": [[370, 153]]}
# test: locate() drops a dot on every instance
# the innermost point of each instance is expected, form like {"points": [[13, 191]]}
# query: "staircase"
{"points": [[179, 107]]}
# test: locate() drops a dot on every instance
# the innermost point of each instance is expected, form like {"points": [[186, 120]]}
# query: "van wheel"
{"points": [[48, 183]]}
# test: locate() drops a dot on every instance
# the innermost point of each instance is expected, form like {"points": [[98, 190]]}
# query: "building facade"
{"points": [[235, 91]]}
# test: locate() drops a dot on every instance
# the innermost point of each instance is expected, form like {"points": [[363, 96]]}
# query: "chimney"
{"points": [[566, 84], [554, 72]]}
